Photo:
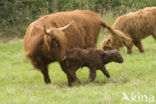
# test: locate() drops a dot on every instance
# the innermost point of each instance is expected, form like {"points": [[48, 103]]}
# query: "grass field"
{"points": [[21, 84]]}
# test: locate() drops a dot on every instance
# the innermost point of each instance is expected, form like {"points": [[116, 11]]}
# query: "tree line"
{"points": [[16, 15]]}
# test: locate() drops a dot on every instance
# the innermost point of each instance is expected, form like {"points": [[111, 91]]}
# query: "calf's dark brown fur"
{"points": [[92, 58]]}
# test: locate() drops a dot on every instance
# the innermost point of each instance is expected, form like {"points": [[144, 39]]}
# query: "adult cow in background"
{"points": [[134, 27], [48, 38]]}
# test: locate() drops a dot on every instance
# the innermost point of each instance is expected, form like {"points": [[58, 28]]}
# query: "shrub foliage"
{"points": [[15, 15]]}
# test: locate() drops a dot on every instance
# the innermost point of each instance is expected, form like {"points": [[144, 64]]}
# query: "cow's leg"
{"points": [[43, 68], [44, 71], [69, 80], [129, 47], [72, 80], [129, 50], [67, 74], [105, 72], [68, 71], [138, 44], [154, 35], [71, 76], [92, 74]]}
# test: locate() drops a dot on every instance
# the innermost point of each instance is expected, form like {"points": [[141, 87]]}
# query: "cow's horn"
{"points": [[46, 31], [63, 28]]}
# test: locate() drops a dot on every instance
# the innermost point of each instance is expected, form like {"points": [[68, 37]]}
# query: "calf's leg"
{"points": [[68, 76], [70, 72], [74, 77], [71, 76], [69, 80], [105, 72], [92, 74]]}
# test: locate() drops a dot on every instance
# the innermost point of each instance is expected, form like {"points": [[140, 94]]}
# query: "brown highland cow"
{"points": [[133, 27], [92, 58], [48, 38]]}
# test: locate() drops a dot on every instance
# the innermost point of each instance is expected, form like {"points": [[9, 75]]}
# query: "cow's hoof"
{"points": [[48, 81], [69, 85]]}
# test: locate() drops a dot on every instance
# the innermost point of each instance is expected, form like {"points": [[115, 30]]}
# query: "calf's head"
{"points": [[112, 55], [55, 42]]}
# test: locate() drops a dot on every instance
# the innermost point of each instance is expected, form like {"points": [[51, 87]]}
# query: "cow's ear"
{"points": [[108, 42]]}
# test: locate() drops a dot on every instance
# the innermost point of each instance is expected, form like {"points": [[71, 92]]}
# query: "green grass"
{"points": [[21, 84]]}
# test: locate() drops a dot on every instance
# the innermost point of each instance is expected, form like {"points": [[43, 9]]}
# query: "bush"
{"points": [[16, 15]]}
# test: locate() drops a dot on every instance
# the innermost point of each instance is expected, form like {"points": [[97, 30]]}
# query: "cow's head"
{"points": [[112, 55], [114, 41], [107, 44], [55, 41]]}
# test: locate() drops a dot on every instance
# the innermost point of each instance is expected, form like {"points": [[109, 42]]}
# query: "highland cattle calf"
{"points": [[48, 38], [92, 58], [132, 28]]}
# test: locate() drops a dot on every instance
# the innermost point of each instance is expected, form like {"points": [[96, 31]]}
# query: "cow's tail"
{"points": [[112, 31], [117, 33]]}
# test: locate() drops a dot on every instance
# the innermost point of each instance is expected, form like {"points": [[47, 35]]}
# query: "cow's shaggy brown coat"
{"points": [[46, 42], [92, 58], [136, 25]]}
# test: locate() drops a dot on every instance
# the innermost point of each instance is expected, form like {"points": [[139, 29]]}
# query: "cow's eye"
{"points": [[55, 43]]}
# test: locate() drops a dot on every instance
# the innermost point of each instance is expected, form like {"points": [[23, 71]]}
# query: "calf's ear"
{"points": [[106, 54]]}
